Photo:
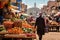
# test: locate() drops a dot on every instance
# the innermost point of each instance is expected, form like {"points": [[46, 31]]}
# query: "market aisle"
{"points": [[52, 36]]}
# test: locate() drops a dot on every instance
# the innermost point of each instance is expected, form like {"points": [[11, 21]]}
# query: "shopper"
{"points": [[46, 24], [31, 19], [40, 25]]}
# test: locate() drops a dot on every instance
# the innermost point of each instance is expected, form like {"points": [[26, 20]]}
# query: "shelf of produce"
{"points": [[54, 25], [19, 36], [54, 28]]}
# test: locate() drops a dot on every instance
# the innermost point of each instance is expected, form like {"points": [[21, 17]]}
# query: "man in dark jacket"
{"points": [[40, 25]]}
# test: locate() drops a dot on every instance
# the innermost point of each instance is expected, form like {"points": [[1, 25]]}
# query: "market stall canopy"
{"points": [[25, 14], [13, 10], [14, 7]]}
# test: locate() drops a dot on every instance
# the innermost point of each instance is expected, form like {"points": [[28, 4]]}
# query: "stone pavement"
{"points": [[51, 36]]}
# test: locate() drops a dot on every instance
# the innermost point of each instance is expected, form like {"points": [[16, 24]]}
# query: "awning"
{"points": [[13, 10], [14, 7], [25, 14]]}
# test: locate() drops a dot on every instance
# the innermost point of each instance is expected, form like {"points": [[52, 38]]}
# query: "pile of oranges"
{"points": [[16, 30]]}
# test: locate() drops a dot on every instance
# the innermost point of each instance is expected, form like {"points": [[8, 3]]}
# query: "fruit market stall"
{"points": [[18, 29], [53, 25], [14, 27]]}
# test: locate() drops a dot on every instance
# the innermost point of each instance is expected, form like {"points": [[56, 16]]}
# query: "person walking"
{"points": [[40, 25]]}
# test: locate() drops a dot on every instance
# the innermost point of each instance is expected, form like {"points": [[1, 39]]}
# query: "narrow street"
{"points": [[52, 36], [24, 19]]}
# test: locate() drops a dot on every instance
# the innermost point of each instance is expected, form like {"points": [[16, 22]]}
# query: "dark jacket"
{"points": [[40, 23]]}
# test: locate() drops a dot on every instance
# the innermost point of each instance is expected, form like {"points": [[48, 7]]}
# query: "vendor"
{"points": [[1, 12], [3, 9]]}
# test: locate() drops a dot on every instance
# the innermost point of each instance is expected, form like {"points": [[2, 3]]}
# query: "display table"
{"points": [[17, 36]]}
